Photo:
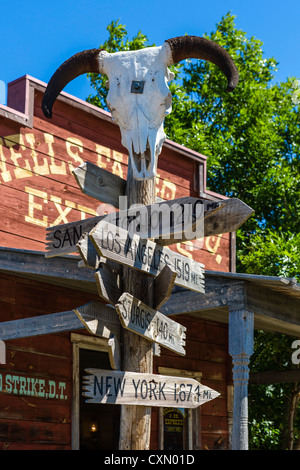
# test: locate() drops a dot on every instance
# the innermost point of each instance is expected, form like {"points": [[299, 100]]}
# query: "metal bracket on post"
{"points": [[241, 334]]}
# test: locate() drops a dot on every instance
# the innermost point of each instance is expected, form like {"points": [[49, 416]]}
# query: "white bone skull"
{"points": [[139, 97]]}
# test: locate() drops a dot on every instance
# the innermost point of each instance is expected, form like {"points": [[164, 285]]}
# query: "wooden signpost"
{"points": [[99, 319], [99, 183], [163, 285], [228, 216], [130, 388], [151, 324], [108, 284], [146, 256]]}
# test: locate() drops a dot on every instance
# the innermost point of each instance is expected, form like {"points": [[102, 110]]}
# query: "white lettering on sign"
{"points": [[151, 324], [115, 243], [32, 386]]}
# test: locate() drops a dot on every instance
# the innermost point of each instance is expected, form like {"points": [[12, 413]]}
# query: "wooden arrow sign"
{"points": [[151, 324], [99, 319], [221, 217], [163, 285], [229, 218], [102, 320], [62, 239], [172, 220], [99, 183], [116, 244], [132, 388], [175, 220], [108, 284]]}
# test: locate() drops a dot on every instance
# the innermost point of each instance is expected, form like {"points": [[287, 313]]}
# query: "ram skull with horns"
{"points": [[139, 97]]}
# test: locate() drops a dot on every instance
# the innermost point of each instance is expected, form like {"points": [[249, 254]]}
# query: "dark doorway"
{"points": [[99, 424]]}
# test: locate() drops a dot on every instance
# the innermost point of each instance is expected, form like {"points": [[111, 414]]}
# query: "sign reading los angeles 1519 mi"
{"points": [[117, 244], [132, 388]]}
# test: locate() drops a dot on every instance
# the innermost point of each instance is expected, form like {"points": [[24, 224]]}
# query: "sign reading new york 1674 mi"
{"points": [[132, 388]]}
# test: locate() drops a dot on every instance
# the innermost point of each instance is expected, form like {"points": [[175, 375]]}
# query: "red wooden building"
{"points": [[41, 406]]}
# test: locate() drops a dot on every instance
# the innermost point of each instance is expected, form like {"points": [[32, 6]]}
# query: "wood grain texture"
{"points": [[151, 324], [99, 183], [132, 388], [99, 319], [108, 284], [163, 285], [145, 255]]}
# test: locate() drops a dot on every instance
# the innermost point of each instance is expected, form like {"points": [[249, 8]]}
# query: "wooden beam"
{"points": [[40, 325], [99, 183], [240, 347], [216, 296]]}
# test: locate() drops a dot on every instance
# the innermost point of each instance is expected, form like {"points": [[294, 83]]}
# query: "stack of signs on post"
{"points": [[139, 237]]}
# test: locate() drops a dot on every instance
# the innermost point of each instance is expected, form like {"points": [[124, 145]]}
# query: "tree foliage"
{"points": [[252, 140]]}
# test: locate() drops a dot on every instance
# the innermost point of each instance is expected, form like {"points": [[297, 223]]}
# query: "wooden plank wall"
{"points": [[36, 381], [30, 422], [37, 188]]}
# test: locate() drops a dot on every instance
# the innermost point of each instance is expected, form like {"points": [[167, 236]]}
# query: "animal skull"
{"points": [[139, 97]]}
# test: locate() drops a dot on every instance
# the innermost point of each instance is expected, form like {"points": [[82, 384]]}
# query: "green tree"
{"points": [[252, 140]]}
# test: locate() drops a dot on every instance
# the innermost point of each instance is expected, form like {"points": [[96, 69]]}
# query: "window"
{"points": [[179, 427], [94, 426]]}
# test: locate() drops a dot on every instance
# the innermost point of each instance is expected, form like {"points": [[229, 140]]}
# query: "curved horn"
{"points": [[194, 47], [83, 62]]}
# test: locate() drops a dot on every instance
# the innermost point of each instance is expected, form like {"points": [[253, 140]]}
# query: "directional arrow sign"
{"points": [[99, 183], [172, 221], [227, 216], [116, 244], [62, 239], [102, 320], [163, 285], [108, 284], [132, 388], [151, 324], [99, 319]]}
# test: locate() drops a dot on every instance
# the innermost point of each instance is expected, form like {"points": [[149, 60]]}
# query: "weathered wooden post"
{"points": [[135, 421], [241, 329]]}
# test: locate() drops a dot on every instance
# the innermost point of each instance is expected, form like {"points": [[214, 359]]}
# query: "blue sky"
{"points": [[36, 37]]}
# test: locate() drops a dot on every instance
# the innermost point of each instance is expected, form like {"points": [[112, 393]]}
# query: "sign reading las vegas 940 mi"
{"points": [[132, 388]]}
